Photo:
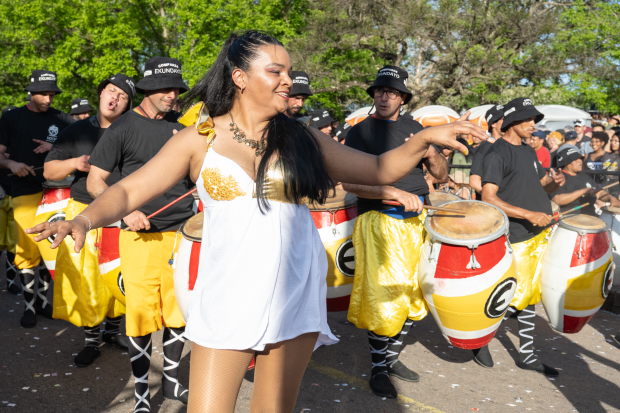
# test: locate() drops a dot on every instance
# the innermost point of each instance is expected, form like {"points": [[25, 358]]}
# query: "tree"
{"points": [[85, 41], [467, 52]]}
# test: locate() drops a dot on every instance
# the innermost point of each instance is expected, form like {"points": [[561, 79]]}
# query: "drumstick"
{"points": [[34, 169], [610, 185], [169, 205], [442, 209], [572, 210]]}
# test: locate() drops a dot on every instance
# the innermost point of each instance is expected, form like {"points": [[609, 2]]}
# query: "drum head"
{"points": [[64, 183], [584, 224], [439, 198], [611, 210], [342, 199], [479, 223], [192, 228], [555, 207]]}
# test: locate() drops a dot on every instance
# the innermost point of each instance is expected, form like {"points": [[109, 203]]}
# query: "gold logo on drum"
{"points": [[58, 216], [500, 298]]}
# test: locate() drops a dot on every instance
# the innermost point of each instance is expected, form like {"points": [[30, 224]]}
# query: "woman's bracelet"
{"points": [[90, 224]]}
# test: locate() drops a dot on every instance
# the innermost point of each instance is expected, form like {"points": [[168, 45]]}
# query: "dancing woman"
{"points": [[261, 285]]}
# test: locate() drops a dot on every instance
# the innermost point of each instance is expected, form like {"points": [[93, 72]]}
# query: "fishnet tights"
{"points": [[216, 376]]}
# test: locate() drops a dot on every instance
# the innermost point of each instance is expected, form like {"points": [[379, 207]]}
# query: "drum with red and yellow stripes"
{"points": [[467, 270], [335, 221], [577, 272], [56, 195], [110, 260]]}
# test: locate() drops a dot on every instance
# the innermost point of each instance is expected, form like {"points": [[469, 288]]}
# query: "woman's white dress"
{"points": [[261, 277]]}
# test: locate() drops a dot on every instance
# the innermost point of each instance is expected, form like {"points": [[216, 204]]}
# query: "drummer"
{"points": [[300, 92], [386, 294], [580, 188], [88, 305], [495, 119], [29, 132], [128, 144], [514, 180], [80, 109]]}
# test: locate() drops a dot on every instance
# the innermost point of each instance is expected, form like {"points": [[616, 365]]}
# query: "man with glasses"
{"points": [[386, 294], [299, 93]]}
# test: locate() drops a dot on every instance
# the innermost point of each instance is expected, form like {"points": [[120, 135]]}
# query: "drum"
{"points": [[186, 259], [577, 272], [56, 195], [611, 216], [335, 221], [197, 207], [440, 198], [110, 260], [468, 273]]}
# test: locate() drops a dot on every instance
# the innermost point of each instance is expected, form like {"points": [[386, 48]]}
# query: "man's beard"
{"points": [[294, 111]]}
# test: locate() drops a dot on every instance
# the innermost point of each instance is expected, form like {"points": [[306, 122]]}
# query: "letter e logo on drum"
{"points": [[59, 216], [608, 280], [345, 258], [500, 298]]}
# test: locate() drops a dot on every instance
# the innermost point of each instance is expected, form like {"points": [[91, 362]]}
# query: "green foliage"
{"points": [[86, 41]]}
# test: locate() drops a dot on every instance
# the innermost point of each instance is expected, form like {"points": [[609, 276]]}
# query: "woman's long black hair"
{"points": [[293, 143]]}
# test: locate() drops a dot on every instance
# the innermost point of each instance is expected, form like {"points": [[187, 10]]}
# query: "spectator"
{"points": [[554, 140], [583, 140], [594, 160], [570, 139], [536, 142], [610, 163], [613, 121], [321, 120]]}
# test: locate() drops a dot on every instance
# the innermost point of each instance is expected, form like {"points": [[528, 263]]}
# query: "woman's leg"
{"points": [[279, 370], [215, 377]]}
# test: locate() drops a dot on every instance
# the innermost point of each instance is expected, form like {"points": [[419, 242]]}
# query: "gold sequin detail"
{"points": [[219, 187]]}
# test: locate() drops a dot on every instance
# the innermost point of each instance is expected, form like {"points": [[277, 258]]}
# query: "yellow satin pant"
{"points": [[80, 295], [27, 253], [7, 225], [386, 288], [528, 255], [149, 282]]}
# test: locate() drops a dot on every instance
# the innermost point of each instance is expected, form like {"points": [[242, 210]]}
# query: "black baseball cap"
{"points": [[568, 155], [320, 118], [80, 105], [394, 77], [540, 134], [161, 73], [301, 84], [494, 115], [570, 135], [123, 82], [341, 131], [43, 81], [520, 109]]}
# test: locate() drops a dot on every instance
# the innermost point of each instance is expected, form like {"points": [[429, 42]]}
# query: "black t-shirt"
{"points": [[375, 136], [515, 169], [77, 140], [481, 152], [130, 142], [595, 164], [18, 128], [575, 183]]}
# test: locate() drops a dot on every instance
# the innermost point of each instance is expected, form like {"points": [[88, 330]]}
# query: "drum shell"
{"points": [[51, 208], [110, 261], [572, 287], [185, 270], [435, 119], [335, 228], [460, 299]]}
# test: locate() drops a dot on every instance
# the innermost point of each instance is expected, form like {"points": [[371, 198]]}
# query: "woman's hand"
{"points": [[445, 135], [77, 228]]}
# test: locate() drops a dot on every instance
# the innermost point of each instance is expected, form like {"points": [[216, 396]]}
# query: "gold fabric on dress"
{"points": [[219, 187], [386, 288], [273, 186], [528, 255]]}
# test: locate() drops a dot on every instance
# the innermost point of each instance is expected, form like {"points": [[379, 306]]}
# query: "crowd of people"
{"points": [[255, 157]]}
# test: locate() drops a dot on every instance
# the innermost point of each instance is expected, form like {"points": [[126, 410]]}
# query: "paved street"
{"points": [[37, 372]]}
